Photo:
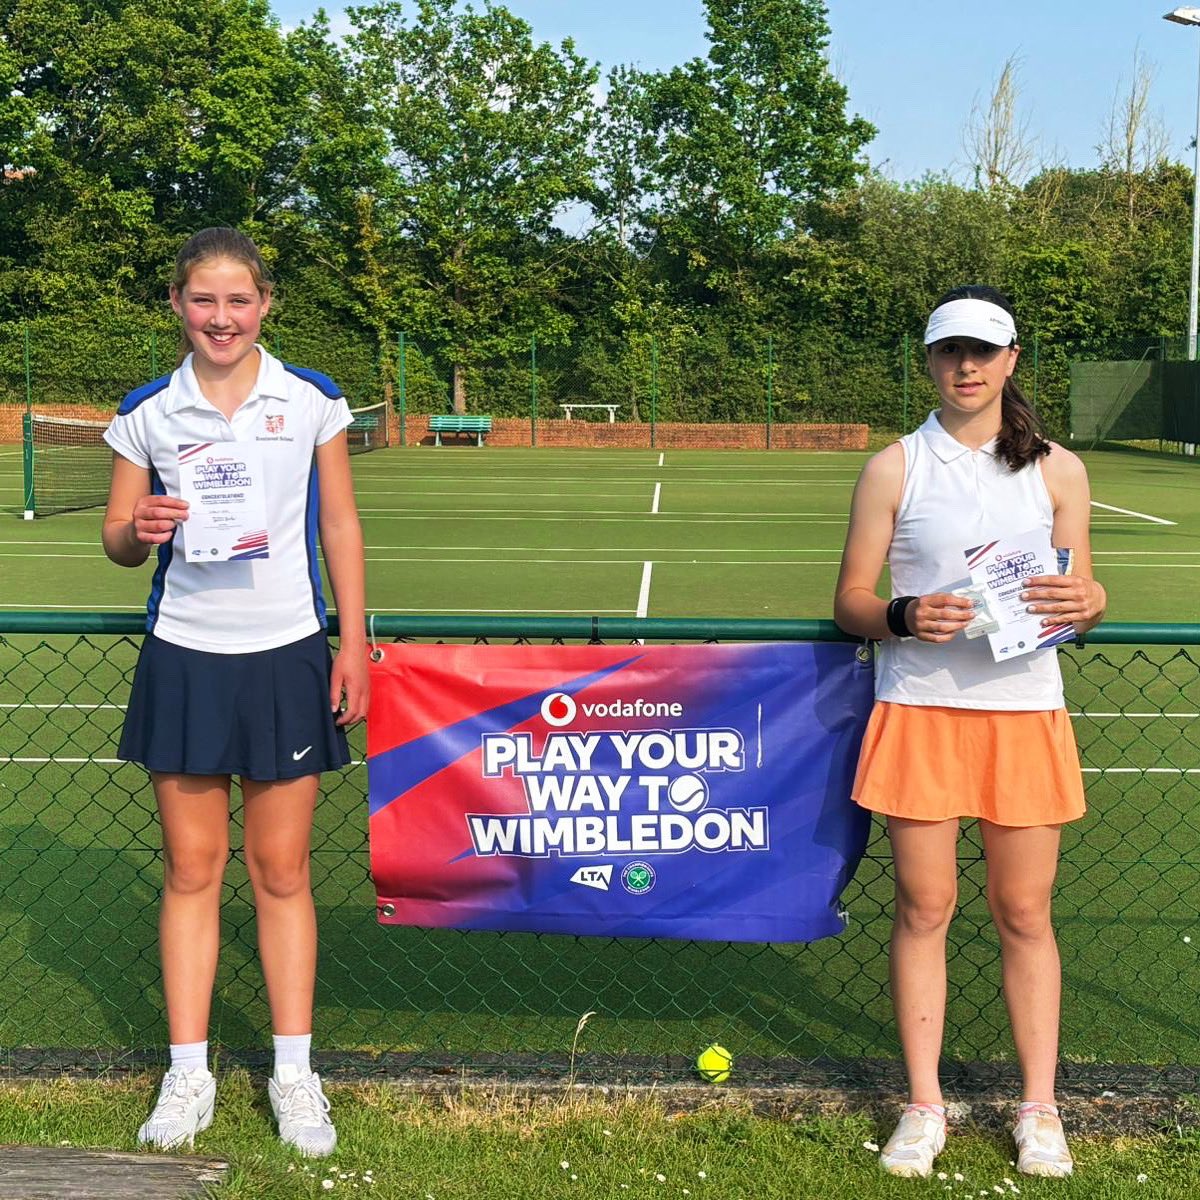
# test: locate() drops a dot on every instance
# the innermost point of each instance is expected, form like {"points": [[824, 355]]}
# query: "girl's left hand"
{"points": [[1064, 599], [350, 687]]}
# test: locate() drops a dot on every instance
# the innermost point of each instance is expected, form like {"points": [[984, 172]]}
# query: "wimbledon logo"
{"points": [[558, 709]]}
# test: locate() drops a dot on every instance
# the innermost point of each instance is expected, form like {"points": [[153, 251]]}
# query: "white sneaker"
{"points": [[302, 1111], [184, 1109], [1041, 1145], [918, 1139]]}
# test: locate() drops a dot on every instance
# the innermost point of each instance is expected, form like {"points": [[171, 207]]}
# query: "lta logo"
{"points": [[558, 709]]}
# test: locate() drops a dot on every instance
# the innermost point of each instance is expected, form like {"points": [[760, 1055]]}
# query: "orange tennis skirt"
{"points": [[931, 764]]}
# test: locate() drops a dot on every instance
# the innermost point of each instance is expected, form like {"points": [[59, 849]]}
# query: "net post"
{"points": [[401, 383], [27, 463], [28, 369]]}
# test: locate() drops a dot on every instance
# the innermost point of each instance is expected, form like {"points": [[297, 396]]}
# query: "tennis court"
{"points": [[649, 533], [618, 533]]}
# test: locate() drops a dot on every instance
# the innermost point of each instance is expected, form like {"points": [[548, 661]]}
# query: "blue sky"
{"points": [[915, 68]]}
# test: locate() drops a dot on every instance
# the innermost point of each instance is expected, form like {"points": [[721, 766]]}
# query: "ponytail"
{"points": [[1022, 439]]}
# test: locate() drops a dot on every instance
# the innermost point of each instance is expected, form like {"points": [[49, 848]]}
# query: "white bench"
{"points": [[612, 410]]}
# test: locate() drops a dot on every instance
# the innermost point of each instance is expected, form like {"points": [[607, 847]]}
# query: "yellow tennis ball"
{"points": [[715, 1063]]}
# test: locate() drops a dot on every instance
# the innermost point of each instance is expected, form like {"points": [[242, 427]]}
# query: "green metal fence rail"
{"points": [[80, 871]]}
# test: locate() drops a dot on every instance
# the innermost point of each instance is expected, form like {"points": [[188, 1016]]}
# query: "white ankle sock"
{"points": [[190, 1056], [292, 1050]]}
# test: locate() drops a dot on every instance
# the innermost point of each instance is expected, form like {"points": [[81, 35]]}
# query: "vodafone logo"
{"points": [[558, 709]]}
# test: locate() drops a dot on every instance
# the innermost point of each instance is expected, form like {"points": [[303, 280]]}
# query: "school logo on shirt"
{"points": [[274, 423]]}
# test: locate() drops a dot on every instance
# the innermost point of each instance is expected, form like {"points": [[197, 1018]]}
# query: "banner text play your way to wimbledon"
{"points": [[697, 792]]}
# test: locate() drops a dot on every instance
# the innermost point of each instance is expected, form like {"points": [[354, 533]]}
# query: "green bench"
{"points": [[441, 423]]}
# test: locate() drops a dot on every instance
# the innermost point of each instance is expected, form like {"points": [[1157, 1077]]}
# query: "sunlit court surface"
{"points": [[672, 533]]}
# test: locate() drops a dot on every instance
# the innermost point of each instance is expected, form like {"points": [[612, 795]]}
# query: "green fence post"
{"points": [[1036, 347], [906, 351], [153, 354], [402, 383], [533, 389], [277, 353], [653, 390], [770, 384]]}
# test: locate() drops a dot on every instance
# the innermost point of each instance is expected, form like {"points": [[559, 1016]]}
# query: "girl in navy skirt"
{"points": [[235, 675]]}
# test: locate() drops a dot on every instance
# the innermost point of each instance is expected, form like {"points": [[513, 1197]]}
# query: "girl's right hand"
{"points": [[155, 518], [938, 617]]}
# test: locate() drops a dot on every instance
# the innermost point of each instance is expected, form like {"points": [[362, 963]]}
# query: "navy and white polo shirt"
{"points": [[238, 607]]}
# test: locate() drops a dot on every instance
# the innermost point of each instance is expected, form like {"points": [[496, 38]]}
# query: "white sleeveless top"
{"points": [[954, 498]]}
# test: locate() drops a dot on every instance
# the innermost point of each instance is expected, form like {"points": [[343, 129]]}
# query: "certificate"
{"points": [[227, 504], [998, 573]]}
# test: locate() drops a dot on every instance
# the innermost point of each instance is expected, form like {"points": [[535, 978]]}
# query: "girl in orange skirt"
{"points": [[955, 734]]}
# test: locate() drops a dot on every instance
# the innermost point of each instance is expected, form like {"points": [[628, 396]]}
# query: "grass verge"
{"points": [[491, 1143]]}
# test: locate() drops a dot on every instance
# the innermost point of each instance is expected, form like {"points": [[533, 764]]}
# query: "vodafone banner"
{"points": [[697, 792]]}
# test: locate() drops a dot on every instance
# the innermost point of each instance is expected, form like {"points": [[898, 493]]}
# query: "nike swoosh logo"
{"points": [[297, 755]]}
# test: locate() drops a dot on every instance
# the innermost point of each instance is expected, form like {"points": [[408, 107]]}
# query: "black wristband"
{"points": [[895, 616]]}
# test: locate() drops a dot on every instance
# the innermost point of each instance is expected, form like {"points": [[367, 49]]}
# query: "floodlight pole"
{"points": [[1189, 15], [1193, 304]]}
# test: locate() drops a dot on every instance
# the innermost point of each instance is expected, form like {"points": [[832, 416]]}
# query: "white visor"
{"points": [[979, 319]]}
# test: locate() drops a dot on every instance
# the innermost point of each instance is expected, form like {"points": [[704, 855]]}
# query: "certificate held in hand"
{"points": [[227, 505], [998, 573]]}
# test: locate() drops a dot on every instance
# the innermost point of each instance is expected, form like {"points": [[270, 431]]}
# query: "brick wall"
{"points": [[514, 431]]}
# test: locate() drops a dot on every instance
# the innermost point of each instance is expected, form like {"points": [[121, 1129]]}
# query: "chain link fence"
{"points": [[765, 377], [80, 872]]}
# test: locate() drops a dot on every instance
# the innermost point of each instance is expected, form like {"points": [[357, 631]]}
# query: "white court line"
{"points": [[377, 547], [657, 495], [426, 611], [1185, 716], [1128, 512], [643, 603], [661, 457], [56, 707]]}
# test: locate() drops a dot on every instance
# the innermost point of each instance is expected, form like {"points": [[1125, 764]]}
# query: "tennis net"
{"points": [[67, 464], [370, 428]]}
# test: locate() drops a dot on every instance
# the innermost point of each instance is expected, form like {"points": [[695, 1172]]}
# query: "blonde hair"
{"points": [[209, 244]]}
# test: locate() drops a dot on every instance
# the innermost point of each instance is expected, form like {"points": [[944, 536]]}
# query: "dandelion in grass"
{"points": [[1142, 1178], [327, 1184], [661, 1178], [874, 1149], [958, 1177], [566, 1166], [702, 1174]]}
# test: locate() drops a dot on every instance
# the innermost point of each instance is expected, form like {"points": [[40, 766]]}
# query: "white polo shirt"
{"points": [[238, 607]]}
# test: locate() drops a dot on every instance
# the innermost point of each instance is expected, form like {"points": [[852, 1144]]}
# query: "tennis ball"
{"points": [[715, 1063]]}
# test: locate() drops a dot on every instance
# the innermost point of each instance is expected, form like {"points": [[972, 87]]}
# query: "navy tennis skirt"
{"points": [[263, 716]]}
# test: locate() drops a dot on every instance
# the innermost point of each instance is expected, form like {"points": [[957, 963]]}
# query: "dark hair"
{"points": [[1022, 438], [209, 244]]}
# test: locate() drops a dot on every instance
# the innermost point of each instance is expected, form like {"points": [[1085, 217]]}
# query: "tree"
{"points": [[997, 138], [750, 136], [1134, 140], [133, 122], [488, 138]]}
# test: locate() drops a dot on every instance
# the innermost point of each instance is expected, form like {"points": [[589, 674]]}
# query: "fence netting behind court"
{"points": [[80, 873]]}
